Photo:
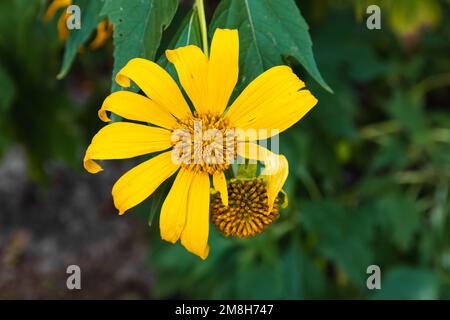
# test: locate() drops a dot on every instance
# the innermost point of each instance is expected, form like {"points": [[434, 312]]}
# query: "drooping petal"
{"points": [[276, 180], [136, 107], [195, 234], [156, 83], [140, 182], [121, 140], [272, 101], [192, 69], [174, 209], [220, 184], [223, 68], [276, 168]]}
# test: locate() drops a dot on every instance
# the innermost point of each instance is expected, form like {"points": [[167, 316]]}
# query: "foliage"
{"points": [[90, 16], [369, 182], [369, 165], [138, 27], [268, 31], [34, 110]]}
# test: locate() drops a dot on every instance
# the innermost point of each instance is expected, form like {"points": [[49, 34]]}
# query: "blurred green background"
{"points": [[369, 171]]}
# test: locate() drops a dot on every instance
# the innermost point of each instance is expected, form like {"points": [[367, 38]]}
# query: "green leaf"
{"points": [[399, 217], [409, 110], [90, 18], [405, 283], [187, 34], [343, 235], [268, 30], [249, 274], [138, 27], [302, 278]]}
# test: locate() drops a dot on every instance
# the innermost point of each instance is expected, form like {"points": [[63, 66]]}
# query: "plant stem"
{"points": [[430, 83], [203, 28]]}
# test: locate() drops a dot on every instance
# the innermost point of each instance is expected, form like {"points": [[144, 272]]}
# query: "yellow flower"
{"points": [[104, 28], [273, 102]]}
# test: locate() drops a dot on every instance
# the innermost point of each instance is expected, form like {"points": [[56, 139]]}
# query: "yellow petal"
{"points": [[192, 69], [63, 32], [140, 182], [136, 107], [174, 208], [276, 167], [122, 140], [220, 184], [272, 101], [104, 31], [54, 7], [276, 180], [223, 69], [195, 234], [157, 84]]}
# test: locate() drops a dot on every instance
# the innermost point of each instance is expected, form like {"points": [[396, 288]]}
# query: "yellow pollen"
{"points": [[247, 212], [205, 143]]}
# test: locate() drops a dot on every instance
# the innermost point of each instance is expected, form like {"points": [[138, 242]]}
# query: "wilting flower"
{"points": [[247, 213], [104, 28], [273, 102]]}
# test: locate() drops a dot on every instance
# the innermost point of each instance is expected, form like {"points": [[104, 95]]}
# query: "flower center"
{"points": [[205, 143], [246, 214]]}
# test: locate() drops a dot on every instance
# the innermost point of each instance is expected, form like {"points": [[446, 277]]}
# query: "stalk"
{"points": [[203, 29]]}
